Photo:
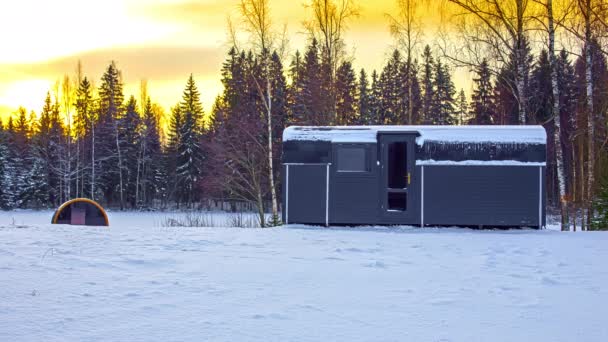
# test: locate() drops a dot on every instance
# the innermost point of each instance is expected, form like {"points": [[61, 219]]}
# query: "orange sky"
{"points": [[162, 41]]}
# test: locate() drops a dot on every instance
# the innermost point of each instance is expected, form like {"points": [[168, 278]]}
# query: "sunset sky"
{"points": [[162, 41]]}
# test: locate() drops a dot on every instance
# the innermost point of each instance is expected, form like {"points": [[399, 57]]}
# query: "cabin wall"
{"points": [[354, 196], [304, 197], [483, 195]]}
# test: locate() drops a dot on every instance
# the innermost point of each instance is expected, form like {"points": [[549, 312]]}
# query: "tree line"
{"points": [[94, 142]]}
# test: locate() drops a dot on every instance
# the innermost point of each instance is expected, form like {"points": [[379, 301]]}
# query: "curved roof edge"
{"points": [[532, 134], [80, 199]]}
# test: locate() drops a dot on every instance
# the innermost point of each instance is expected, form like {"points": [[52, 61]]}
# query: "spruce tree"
{"points": [[189, 156], [428, 91], [279, 89], [84, 125], [295, 102], [108, 152], [376, 100], [171, 154], [129, 140], [20, 157], [151, 168], [5, 198], [409, 104], [540, 105], [364, 100], [509, 103], [310, 106], [483, 110], [346, 94], [442, 111], [461, 109], [391, 110]]}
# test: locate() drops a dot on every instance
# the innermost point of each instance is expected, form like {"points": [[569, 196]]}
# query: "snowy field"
{"points": [[138, 281]]}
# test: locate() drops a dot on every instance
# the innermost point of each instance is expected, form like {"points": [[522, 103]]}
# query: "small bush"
{"points": [[238, 220]]}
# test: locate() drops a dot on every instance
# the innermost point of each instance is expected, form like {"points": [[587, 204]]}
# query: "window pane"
{"points": [[397, 165], [397, 201], [352, 159]]}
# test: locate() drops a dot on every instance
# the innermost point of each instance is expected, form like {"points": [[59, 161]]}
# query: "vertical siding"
{"points": [[481, 195]]}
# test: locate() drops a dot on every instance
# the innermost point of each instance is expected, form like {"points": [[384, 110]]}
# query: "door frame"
{"points": [[384, 138]]}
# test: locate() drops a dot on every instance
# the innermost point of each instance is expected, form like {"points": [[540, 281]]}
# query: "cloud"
{"points": [[199, 14], [151, 62]]}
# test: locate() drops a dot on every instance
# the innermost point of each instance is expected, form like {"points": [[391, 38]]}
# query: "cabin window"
{"points": [[397, 165], [352, 159], [397, 201]]}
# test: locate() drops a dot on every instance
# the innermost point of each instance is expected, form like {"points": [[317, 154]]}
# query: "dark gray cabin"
{"points": [[477, 176]]}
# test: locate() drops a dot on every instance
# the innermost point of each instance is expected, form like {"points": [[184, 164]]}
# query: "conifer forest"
{"points": [[533, 62]]}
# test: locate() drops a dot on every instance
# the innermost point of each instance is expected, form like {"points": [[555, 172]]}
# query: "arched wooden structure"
{"points": [[81, 211]]}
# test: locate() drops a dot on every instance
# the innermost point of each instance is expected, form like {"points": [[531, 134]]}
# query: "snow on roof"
{"points": [[454, 134], [432, 162]]}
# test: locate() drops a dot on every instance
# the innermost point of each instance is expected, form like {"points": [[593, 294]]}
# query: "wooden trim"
{"points": [[86, 200]]}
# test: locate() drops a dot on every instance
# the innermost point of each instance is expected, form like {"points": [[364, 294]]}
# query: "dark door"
{"points": [[397, 165]]}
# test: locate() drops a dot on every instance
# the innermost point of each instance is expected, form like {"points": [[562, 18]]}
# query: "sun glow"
{"points": [[26, 93], [159, 40], [49, 29]]}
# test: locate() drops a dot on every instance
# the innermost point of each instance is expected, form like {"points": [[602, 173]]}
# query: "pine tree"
{"points": [[364, 104], [482, 107], [151, 163], [311, 105], [84, 125], [442, 111], [56, 139], [409, 103], [510, 104], [189, 156], [129, 140], [279, 89], [5, 198], [295, 90], [42, 153], [346, 94], [600, 204], [461, 109], [541, 104], [428, 91], [391, 109], [376, 100], [170, 159], [108, 151], [20, 157]]}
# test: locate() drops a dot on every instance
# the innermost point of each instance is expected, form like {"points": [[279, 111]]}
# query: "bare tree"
{"points": [[329, 21], [406, 28], [256, 17], [549, 27], [496, 30], [67, 97], [589, 26], [234, 164]]}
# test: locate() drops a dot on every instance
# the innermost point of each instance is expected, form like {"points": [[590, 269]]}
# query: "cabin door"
{"points": [[397, 163]]}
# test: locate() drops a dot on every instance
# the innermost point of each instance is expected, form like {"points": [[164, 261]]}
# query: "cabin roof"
{"points": [[449, 134]]}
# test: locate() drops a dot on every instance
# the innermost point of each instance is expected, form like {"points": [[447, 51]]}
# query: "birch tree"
{"points": [[495, 30], [586, 25], [329, 22], [405, 27], [557, 134], [256, 17]]}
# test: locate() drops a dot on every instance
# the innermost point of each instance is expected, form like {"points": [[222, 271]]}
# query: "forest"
{"points": [[535, 62]]}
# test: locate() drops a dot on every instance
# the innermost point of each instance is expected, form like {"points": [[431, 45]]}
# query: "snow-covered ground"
{"points": [[137, 281]]}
